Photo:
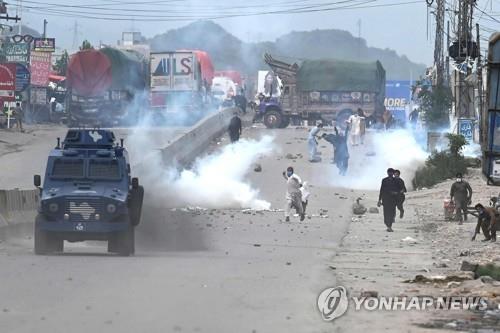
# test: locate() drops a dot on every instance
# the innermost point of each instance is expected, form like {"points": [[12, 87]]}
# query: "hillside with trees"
{"points": [[229, 52]]}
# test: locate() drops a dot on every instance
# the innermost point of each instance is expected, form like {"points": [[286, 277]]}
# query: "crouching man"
{"points": [[487, 221], [293, 194]]}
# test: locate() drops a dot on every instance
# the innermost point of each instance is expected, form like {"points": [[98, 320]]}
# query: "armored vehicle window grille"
{"points": [[83, 209], [105, 169], [68, 168]]}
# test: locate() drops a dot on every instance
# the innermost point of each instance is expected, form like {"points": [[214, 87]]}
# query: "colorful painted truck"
{"points": [[323, 89], [105, 87]]}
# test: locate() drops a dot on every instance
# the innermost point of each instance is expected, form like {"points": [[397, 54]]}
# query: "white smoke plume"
{"points": [[214, 181], [218, 181], [368, 164]]}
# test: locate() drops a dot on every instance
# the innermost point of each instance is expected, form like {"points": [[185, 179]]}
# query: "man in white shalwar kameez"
{"points": [[354, 122]]}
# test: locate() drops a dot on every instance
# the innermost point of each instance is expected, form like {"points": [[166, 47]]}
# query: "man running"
{"points": [[293, 194]]}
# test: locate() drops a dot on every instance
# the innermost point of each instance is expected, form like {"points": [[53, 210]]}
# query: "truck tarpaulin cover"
{"points": [[207, 68], [337, 75], [92, 72]]}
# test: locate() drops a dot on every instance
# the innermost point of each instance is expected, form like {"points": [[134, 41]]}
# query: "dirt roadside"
{"points": [[424, 243]]}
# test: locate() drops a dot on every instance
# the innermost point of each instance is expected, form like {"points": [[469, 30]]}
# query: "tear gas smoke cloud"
{"points": [[217, 181], [214, 181], [395, 149]]}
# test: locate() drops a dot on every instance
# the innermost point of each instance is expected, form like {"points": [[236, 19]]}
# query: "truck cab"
{"points": [[88, 193]]}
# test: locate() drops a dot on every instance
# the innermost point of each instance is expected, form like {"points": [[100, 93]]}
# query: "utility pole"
{"points": [[467, 49], [438, 44], [20, 26], [482, 111], [75, 36], [45, 28], [447, 54]]}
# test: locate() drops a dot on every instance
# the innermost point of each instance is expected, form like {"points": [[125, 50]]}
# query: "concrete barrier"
{"points": [[186, 147], [18, 206]]}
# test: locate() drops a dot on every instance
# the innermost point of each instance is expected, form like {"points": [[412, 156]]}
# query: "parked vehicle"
{"points": [[223, 88], [180, 81], [330, 90], [103, 85]]}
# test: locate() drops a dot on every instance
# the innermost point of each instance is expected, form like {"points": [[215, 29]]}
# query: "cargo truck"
{"points": [[323, 89], [105, 87], [180, 81]]}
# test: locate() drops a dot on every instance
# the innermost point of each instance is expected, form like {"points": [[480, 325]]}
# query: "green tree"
{"points": [[62, 64], [456, 143], [435, 103], [86, 46]]}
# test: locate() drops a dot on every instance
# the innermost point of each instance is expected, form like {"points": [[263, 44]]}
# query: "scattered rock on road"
{"points": [[456, 277], [358, 208]]}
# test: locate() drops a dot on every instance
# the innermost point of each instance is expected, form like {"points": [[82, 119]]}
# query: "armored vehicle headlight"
{"points": [[66, 216], [111, 208], [53, 207]]}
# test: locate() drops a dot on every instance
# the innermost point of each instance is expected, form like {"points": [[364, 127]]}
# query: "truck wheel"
{"points": [[272, 119], [135, 205], [46, 243], [122, 242], [285, 121]]}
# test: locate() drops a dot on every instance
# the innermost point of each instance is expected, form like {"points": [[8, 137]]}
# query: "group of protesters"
{"points": [[354, 132]]}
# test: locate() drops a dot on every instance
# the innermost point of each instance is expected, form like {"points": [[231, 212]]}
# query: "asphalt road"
{"points": [[194, 271]]}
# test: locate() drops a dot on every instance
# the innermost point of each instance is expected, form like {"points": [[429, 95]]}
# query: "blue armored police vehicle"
{"points": [[88, 194]]}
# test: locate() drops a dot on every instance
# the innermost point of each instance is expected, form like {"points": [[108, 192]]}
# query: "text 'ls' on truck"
{"points": [[180, 83], [88, 194], [325, 90]]}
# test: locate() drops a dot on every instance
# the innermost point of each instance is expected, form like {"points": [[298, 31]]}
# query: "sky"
{"points": [[402, 25]]}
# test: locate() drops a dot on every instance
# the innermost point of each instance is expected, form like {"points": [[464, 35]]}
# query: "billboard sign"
{"points": [[7, 82], [17, 52], [398, 98], [22, 77], [268, 83], [466, 129], [41, 65], [44, 44]]}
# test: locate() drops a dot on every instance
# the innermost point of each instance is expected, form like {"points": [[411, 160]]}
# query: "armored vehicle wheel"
{"points": [[135, 205], [272, 119], [285, 121], [46, 243], [123, 242]]}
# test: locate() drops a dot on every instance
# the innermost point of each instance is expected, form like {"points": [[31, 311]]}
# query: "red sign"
{"points": [[7, 82], [41, 63]]}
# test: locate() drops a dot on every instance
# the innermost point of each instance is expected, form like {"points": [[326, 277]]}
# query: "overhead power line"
{"points": [[311, 8]]}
